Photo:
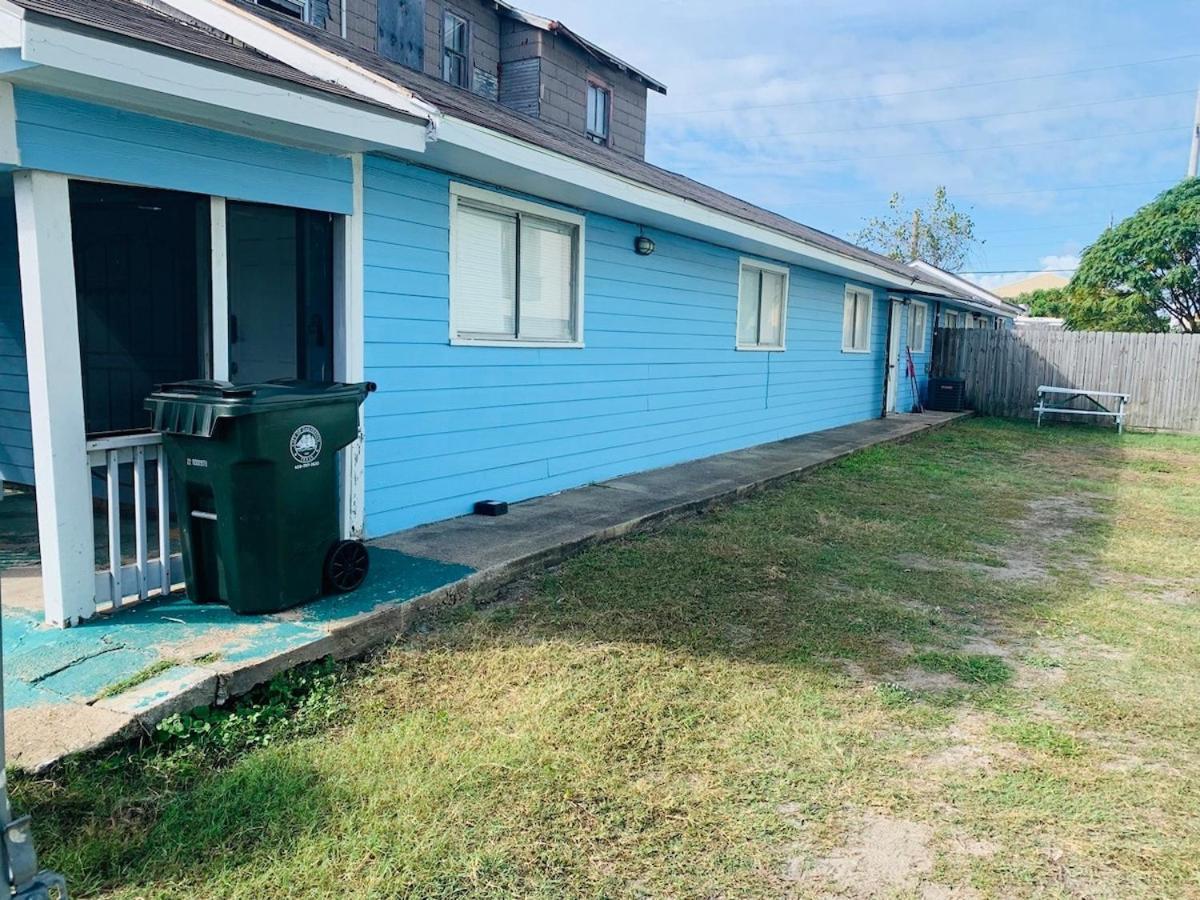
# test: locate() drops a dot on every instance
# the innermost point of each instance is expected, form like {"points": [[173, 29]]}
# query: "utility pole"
{"points": [[1194, 162], [915, 240]]}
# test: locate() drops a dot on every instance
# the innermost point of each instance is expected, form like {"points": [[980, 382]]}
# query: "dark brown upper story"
{"points": [[533, 65]]}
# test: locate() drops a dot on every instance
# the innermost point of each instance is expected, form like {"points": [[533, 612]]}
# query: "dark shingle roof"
{"points": [[136, 21], [131, 19]]}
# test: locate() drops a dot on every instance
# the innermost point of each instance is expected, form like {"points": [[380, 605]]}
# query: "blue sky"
{"points": [[1041, 118]]}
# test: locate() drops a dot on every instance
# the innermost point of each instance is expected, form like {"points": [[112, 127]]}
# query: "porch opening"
{"points": [[159, 276]]}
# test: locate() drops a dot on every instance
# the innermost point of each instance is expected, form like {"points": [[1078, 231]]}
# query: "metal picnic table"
{"points": [[1056, 400]]}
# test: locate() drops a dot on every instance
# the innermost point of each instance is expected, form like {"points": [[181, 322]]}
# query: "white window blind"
{"points": [[516, 273], [762, 307], [917, 325], [485, 244], [547, 280], [856, 321]]}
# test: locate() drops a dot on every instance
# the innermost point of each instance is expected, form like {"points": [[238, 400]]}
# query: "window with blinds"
{"points": [[762, 306], [516, 271], [918, 326], [856, 320]]}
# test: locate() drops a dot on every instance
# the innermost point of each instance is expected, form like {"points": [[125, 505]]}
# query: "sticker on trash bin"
{"points": [[306, 446]]}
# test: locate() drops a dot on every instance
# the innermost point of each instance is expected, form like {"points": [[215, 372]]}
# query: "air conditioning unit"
{"points": [[947, 394]]}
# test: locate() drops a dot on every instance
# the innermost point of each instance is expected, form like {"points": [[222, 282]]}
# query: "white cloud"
{"points": [[1063, 264], [803, 107]]}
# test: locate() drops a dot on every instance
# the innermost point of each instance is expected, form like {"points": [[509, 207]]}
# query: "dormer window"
{"points": [[455, 38], [599, 111], [297, 9]]}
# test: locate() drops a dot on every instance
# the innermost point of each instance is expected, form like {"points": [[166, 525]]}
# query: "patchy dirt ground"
{"points": [[961, 667]]}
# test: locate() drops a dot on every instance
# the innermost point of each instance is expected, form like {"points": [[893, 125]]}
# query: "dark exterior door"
{"points": [[280, 293], [141, 276]]}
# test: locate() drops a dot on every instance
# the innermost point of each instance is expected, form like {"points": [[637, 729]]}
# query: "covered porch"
{"points": [[114, 288]]}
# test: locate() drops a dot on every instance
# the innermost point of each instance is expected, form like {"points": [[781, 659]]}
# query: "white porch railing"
{"points": [[119, 583]]}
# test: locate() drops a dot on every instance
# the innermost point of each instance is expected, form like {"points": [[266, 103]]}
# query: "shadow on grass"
{"points": [[809, 578]]}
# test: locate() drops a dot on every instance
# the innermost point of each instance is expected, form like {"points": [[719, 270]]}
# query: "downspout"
{"points": [[345, 30]]}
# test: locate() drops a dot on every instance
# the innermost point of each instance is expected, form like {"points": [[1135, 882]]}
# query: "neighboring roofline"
{"points": [[555, 27], [528, 165], [304, 56], [60, 54], [983, 295]]}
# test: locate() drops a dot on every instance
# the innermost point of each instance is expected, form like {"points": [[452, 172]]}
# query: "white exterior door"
{"points": [[893, 353]]}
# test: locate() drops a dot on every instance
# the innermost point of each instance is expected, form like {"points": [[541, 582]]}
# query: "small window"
{"points": [[918, 323], [599, 108], [949, 318], [762, 306], [297, 9], [856, 320], [998, 323], [516, 271], [455, 36]]}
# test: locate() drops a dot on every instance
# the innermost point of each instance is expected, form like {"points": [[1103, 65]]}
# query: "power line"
{"points": [[1017, 112], [1011, 271], [838, 70], [1077, 187], [944, 152], [950, 87]]}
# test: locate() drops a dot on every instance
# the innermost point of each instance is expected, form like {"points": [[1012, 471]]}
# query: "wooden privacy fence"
{"points": [[1003, 370]]}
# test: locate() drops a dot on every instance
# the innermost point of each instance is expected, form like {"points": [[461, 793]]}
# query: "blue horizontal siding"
{"points": [[91, 141], [16, 442], [658, 382]]}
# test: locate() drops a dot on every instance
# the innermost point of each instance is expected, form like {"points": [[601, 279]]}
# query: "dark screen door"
{"points": [[141, 276]]}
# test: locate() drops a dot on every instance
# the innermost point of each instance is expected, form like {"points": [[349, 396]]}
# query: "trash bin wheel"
{"points": [[346, 566]]}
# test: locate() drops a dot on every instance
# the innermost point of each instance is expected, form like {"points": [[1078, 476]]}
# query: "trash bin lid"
{"points": [[193, 407]]}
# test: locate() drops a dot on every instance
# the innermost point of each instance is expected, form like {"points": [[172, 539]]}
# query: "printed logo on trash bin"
{"points": [[306, 446]]}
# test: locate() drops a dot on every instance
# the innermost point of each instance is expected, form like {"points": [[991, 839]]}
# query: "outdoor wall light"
{"points": [[642, 245]]}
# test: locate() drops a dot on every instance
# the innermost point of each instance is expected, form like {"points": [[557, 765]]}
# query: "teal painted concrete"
{"points": [[46, 666]]}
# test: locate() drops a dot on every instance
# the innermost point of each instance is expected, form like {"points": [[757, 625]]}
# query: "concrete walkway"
{"points": [[106, 680]]}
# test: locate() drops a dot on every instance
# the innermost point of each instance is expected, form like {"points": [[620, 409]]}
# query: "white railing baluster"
{"points": [[139, 518], [164, 524], [113, 468], [119, 584]]}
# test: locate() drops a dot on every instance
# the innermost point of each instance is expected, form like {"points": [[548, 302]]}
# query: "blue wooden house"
{"points": [[457, 209]]}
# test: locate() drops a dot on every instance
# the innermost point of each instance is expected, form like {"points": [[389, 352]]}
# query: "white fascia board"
{"points": [[11, 21], [280, 44], [91, 67], [985, 297], [461, 147]]}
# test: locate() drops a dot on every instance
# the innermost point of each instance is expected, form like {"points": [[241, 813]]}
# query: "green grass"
{"points": [[914, 635], [137, 678], [973, 668]]}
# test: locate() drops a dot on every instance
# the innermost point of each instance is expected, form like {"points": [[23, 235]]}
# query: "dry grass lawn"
{"points": [[963, 666]]}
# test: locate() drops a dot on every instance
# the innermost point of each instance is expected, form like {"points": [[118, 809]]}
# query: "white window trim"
{"points": [[851, 288], [747, 262], [924, 329], [504, 201]]}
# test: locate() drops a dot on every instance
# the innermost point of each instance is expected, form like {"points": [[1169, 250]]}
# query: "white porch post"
{"points": [[349, 344], [219, 314], [64, 496]]}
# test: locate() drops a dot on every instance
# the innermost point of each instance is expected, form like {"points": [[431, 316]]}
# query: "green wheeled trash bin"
{"points": [[255, 487]]}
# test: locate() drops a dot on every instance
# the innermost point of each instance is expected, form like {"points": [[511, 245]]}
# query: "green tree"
{"points": [[1086, 310], [1051, 302], [1149, 264], [944, 235]]}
